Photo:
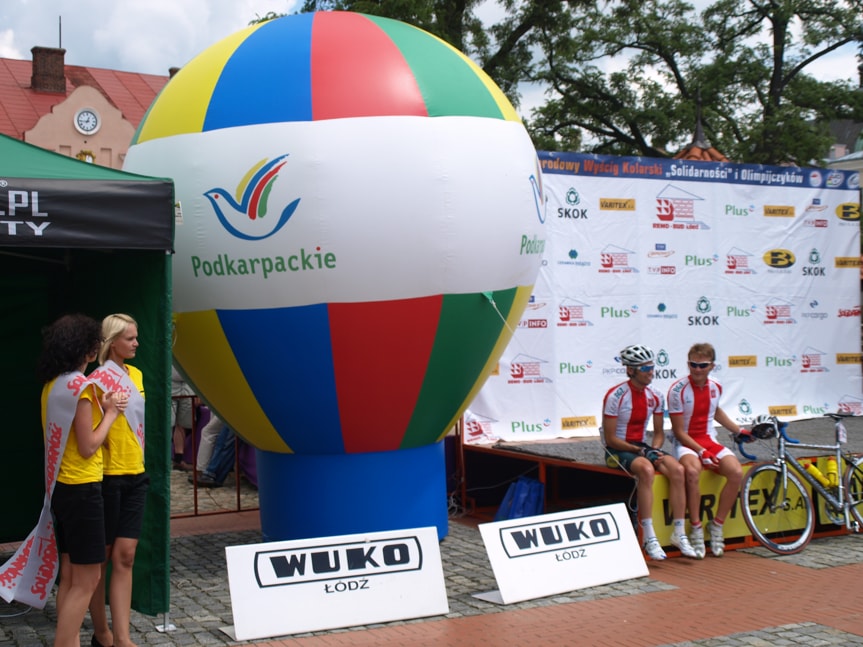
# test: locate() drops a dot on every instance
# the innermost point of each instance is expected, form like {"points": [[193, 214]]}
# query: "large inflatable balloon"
{"points": [[361, 226]]}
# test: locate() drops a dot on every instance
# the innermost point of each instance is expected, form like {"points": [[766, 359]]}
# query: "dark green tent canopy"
{"points": [[50, 200], [75, 237]]}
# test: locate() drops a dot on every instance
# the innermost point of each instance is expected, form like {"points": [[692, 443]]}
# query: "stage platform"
{"points": [[576, 476]]}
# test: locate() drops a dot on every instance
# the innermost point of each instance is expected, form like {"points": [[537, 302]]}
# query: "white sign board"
{"points": [[565, 551], [305, 585], [763, 262]]}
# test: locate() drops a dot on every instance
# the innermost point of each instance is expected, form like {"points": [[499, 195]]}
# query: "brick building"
{"points": [[84, 112]]}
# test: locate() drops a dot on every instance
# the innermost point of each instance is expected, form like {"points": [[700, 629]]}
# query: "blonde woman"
{"points": [[125, 483]]}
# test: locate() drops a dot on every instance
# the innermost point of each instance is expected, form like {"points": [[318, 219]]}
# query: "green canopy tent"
{"points": [[75, 237]]}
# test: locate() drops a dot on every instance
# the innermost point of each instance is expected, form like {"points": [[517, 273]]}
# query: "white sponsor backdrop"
{"points": [[760, 261]]}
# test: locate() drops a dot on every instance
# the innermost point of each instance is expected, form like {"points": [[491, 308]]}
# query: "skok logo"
{"points": [[573, 200], [814, 259], [337, 561], [703, 307], [662, 372], [573, 532], [244, 217]]}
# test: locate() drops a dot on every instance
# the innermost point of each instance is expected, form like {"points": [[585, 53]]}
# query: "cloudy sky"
{"points": [[130, 35], [151, 36]]}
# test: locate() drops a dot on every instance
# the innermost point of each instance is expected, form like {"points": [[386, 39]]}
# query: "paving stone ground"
{"points": [[201, 606]]}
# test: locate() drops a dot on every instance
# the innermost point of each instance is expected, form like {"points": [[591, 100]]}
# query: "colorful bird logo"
{"points": [[252, 197]]}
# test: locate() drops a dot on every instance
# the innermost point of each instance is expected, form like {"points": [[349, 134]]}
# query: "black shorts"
{"points": [[124, 497], [79, 522]]}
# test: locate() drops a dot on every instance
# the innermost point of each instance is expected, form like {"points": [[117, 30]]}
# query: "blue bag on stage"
{"points": [[524, 498]]}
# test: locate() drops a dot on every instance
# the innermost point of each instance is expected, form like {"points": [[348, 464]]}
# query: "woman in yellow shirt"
{"points": [[125, 484], [68, 345]]}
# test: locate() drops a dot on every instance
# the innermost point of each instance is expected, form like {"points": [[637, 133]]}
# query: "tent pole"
{"points": [[166, 624]]}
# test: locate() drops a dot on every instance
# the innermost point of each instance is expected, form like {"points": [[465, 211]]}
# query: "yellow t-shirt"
{"points": [[122, 452], [74, 468]]}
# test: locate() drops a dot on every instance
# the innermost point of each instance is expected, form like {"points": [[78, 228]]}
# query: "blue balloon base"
{"points": [[324, 495]]}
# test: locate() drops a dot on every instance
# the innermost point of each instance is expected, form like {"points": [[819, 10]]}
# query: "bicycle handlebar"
{"points": [[783, 431], [740, 444]]}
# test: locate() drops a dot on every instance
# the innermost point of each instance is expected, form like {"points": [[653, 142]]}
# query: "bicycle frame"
{"points": [[783, 458]]}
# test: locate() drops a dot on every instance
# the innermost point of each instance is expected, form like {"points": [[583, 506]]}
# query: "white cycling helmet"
{"points": [[764, 427], [636, 355]]}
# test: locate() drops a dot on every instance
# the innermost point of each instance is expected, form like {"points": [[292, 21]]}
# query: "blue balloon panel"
{"points": [[305, 496]]}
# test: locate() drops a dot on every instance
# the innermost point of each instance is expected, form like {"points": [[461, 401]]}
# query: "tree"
{"points": [[505, 50], [744, 61], [628, 77]]}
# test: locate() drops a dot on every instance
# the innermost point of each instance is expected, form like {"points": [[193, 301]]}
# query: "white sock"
{"points": [[647, 530]]}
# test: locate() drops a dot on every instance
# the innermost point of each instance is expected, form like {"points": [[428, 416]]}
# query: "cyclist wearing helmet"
{"points": [[693, 405], [627, 409]]}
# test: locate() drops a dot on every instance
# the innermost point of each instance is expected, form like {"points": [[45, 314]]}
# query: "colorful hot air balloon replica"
{"points": [[362, 224]]}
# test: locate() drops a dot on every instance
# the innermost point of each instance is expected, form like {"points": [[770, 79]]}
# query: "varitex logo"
{"points": [[779, 211], [846, 261], [337, 561], [568, 533], [617, 204], [742, 361], [578, 422], [782, 410]]}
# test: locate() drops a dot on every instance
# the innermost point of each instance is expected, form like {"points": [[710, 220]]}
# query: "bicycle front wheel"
{"points": [[854, 489], [779, 513]]}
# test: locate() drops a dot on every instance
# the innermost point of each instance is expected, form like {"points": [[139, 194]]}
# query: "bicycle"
{"points": [[776, 506]]}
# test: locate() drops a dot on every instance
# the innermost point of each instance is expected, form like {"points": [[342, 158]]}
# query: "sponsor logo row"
{"points": [[479, 427], [663, 260], [572, 313], [678, 208], [526, 369]]}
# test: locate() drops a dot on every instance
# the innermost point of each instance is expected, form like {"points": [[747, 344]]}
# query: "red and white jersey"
{"points": [[697, 405], [633, 408]]}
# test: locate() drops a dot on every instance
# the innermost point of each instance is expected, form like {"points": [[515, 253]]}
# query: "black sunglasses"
{"points": [[699, 364]]}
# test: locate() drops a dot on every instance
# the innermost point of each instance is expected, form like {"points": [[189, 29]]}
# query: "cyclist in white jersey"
{"points": [[627, 410], [693, 405]]}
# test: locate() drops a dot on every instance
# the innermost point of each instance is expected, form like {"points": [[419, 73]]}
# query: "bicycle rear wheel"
{"points": [[854, 489], [779, 514]]}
